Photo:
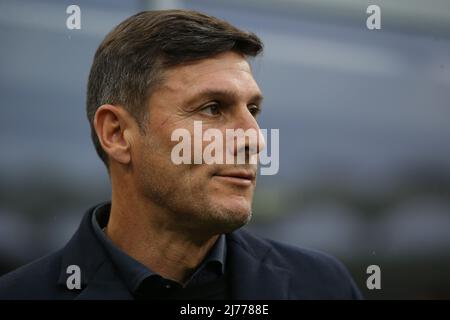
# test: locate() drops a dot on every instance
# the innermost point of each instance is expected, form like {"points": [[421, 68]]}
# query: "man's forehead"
{"points": [[228, 66]]}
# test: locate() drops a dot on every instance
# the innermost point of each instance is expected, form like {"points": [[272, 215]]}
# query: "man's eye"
{"points": [[254, 109], [211, 109]]}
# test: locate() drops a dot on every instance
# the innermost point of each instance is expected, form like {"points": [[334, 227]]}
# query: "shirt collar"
{"points": [[133, 272]]}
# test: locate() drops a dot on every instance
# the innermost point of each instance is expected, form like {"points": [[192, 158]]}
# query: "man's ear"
{"points": [[113, 125]]}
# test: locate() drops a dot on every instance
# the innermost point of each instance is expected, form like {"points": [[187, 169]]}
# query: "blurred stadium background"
{"points": [[364, 119]]}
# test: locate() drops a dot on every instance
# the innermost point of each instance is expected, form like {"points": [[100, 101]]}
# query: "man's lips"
{"points": [[240, 177]]}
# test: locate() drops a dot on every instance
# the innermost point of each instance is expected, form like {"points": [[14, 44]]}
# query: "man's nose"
{"points": [[248, 139]]}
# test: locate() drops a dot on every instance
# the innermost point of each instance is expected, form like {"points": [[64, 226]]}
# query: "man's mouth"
{"points": [[238, 177]]}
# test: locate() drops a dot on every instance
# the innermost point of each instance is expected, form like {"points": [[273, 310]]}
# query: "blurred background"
{"points": [[364, 120]]}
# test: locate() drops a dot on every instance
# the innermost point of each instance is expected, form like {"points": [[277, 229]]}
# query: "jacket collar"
{"points": [[252, 276]]}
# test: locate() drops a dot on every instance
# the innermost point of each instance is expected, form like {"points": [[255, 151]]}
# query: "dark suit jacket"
{"points": [[259, 269]]}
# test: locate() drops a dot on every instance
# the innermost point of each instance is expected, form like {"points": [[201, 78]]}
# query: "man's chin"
{"points": [[233, 214]]}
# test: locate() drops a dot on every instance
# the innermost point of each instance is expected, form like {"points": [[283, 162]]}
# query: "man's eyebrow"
{"points": [[211, 93]]}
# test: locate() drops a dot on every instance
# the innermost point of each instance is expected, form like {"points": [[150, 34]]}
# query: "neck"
{"points": [[144, 231]]}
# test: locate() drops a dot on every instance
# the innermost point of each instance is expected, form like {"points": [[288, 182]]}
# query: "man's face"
{"points": [[221, 92]]}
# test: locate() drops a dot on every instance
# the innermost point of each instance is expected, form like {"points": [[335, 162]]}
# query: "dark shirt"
{"points": [[207, 282]]}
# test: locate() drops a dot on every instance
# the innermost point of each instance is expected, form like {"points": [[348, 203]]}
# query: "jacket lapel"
{"points": [[105, 285], [252, 277], [99, 279]]}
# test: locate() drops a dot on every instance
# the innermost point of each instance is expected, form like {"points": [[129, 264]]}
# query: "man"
{"points": [[172, 231]]}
